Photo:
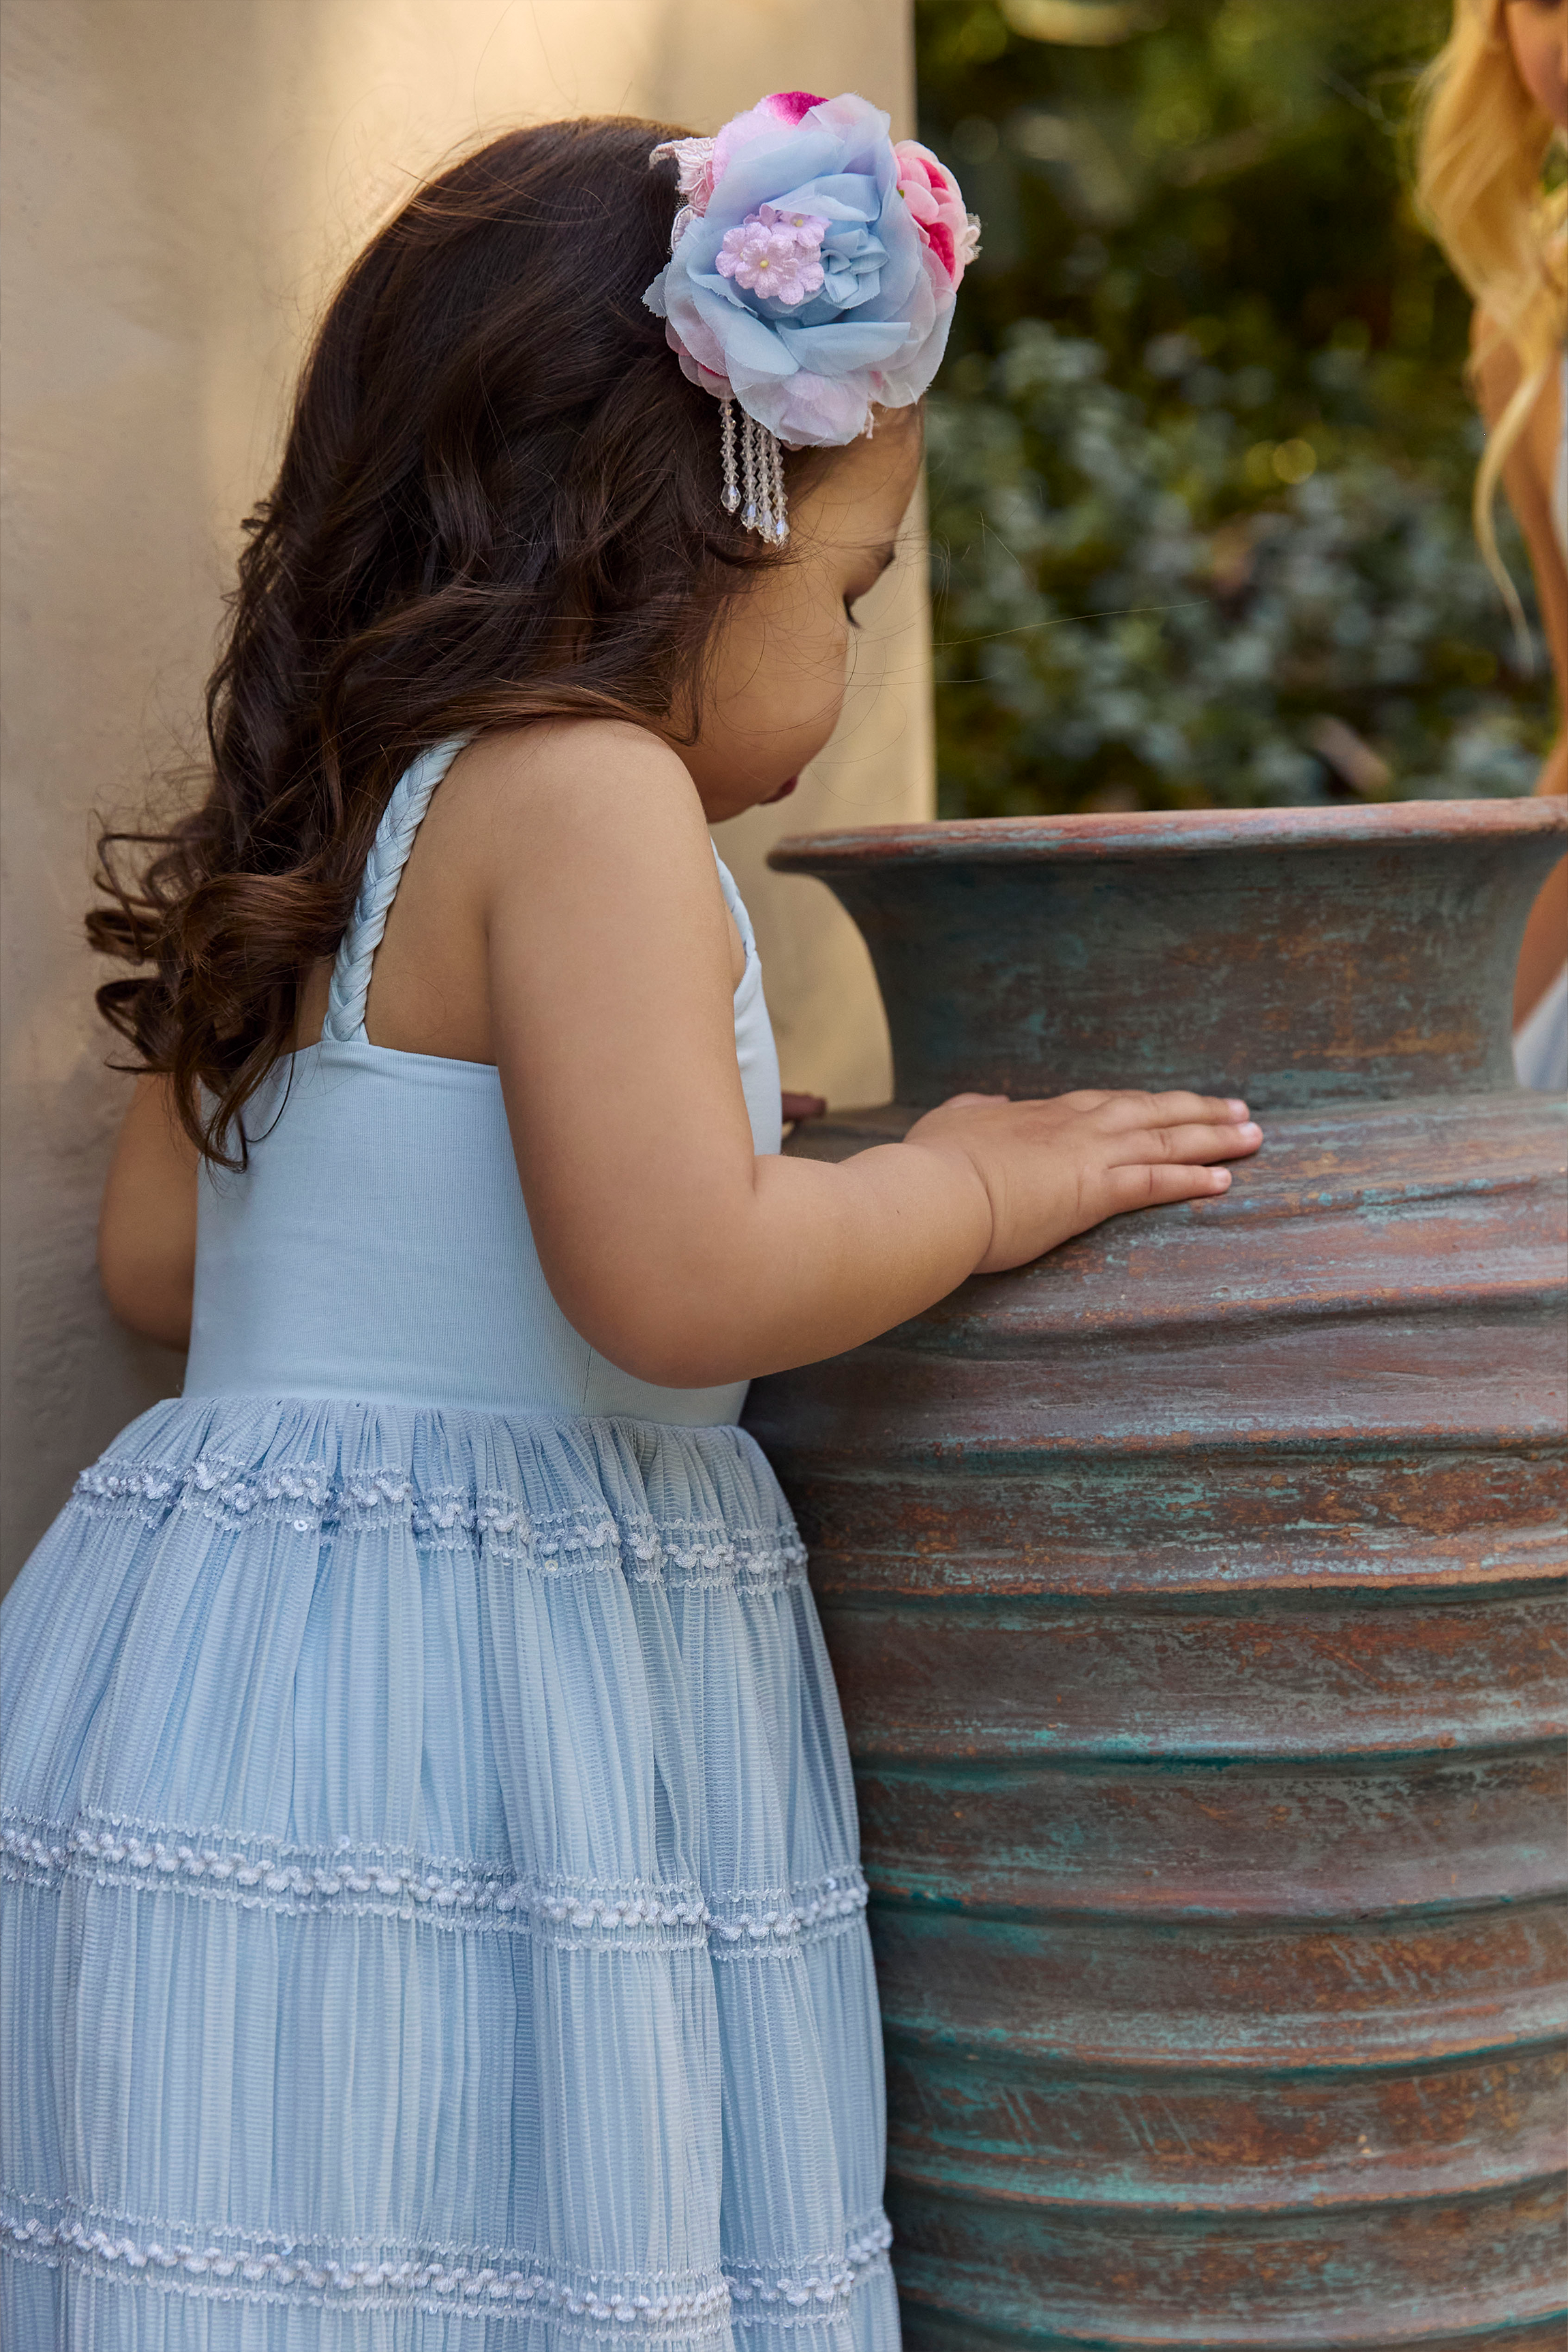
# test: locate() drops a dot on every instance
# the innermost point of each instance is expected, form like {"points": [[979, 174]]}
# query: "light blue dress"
{"points": [[430, 1916]]}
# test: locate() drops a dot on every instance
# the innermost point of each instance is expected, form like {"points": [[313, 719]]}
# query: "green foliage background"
{"points": [[1200, 452]]}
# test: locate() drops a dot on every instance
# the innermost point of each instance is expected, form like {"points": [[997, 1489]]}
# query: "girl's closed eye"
{"points": [[849, 612]]}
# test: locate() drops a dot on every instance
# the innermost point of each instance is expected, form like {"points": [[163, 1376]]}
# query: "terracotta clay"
{"points": [[1193, 1595]]}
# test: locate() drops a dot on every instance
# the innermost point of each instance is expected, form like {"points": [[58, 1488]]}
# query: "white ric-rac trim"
{"points": [[313, 1500], [233, 2265], [260, 1874]]}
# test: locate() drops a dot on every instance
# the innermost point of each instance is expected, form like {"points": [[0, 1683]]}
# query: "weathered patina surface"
{"points": [[1195, 1599]]}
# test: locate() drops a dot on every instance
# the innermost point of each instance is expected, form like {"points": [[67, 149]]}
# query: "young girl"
{"points": [[433, 1914], [1496, 102]]}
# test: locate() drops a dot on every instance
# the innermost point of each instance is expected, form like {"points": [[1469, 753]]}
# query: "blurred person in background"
{"points": [[1496, 101]]}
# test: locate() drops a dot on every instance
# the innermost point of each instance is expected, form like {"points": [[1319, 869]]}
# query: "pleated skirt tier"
{"points": [[430, 1916]]}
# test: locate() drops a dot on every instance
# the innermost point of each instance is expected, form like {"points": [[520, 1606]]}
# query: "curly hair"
{"points": [[497, 502]]}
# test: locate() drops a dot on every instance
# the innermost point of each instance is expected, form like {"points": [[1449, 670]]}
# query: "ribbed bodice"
{"points": [[378, 1246]]}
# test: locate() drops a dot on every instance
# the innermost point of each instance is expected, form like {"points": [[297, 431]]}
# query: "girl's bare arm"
{"points": [[668, 1243], [147, 1226]]}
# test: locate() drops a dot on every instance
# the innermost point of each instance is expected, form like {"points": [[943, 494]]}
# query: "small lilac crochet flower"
{"points": [[810, 276], [775, 253]]}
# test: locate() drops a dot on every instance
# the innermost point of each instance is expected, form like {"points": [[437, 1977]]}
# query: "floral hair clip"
{"points": [[812, 274]]}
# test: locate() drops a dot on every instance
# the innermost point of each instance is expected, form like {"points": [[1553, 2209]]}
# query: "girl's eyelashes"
{"points": [[849, 612]]}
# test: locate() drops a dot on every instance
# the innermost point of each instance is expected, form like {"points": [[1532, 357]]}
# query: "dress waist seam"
{"points": [[365, 1400]]}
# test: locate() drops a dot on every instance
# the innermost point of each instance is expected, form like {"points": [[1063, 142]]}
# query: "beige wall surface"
{"points": [[181, 181]]}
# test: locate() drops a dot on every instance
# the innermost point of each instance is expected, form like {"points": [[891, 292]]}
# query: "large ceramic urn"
{"points": [[1194, 1598]]}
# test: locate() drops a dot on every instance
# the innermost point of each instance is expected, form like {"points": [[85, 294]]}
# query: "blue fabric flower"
{"points": [[808, 364]]}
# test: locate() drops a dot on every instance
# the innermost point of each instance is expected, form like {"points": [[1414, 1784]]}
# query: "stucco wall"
{"points": [[181, 181]]}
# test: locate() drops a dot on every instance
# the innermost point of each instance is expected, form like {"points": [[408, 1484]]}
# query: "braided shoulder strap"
{"points": [[383, 871]]}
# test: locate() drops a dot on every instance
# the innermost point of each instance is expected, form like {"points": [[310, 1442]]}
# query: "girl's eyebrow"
{"points": [[885, 555]]}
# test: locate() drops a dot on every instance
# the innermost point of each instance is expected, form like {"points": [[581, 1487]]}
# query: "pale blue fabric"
{"points": [[1541, 1042], [430, 1912]]}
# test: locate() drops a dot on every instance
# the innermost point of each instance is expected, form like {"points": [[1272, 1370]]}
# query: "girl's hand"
{"points": [[584, 876], [1054, 1169]]}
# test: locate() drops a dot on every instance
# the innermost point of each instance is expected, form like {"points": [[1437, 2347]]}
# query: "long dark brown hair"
{"points": [[498, 501]]}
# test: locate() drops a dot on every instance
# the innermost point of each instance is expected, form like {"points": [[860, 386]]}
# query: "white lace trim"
{"points": [[830, 2281], [232, 2265], [233, 2271], [264, 1875], [311, 1499], [825, 1905]]}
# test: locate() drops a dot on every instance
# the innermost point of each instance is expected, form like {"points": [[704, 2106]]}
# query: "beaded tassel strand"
{"points": [[748, 472], [759, 492], [781, 518], [764, 469], [727, 453]]}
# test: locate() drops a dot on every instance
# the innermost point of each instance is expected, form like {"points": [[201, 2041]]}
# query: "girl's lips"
{"points": [[782, 793]]}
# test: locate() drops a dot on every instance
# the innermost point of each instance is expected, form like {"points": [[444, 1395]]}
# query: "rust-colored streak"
{"points": [[1145, 1997], [1050, 1679], [1194, 1597], [1233, 1841]]}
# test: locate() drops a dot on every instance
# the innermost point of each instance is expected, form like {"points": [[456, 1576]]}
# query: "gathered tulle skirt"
{"points": [[430, 1915]]}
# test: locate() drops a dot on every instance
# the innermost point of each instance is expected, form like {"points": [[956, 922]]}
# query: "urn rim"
{"points": [[1009, 840]]}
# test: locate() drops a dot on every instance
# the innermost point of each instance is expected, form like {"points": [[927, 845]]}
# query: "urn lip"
{"points": [[1038, 840]]}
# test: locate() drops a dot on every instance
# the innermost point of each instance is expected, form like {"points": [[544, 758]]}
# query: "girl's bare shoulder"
{"points": [[566, 824], [570, 814], [579, 773]]}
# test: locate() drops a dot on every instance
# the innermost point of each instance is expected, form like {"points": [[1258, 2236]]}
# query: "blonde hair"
{"points": [[1483, 144]]}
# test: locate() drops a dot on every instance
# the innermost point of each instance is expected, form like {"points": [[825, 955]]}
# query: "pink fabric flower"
{"points": [[951, 233], [775, 253]]}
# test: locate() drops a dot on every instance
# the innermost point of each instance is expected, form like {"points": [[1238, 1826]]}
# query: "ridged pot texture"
{"points": [[1194, 1596]]}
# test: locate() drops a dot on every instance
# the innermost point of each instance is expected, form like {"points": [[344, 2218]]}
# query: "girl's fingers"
{"points": [[1184, 1146], [1135, 1110], [1141, 1185]]}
